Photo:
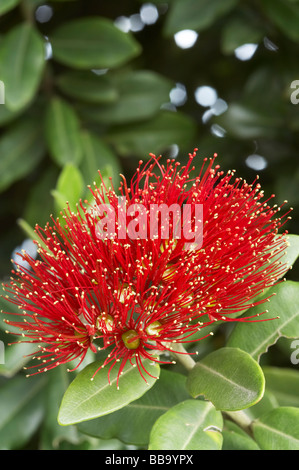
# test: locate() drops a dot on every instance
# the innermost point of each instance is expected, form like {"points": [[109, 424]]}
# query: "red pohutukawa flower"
{"points": [[119, 274]]}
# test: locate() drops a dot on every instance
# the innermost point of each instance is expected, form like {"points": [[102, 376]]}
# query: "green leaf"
{"points": [[97, 156], [62, 131], [52, 435], [22, 61], [286, 187], [21, 149], [93, 43], [229, 378], [234, 438], [284, 384], [153, 136], [87, 86], [292, 252], [245, 122], [285, 15], [239, 31], [141, 95], [39, 205], [16, 356], [278, 429], [69, 188], [6, 306], [88, 399], [287, 258], [7, 115], [256, 338], [30, 232], [21, 410], [141, 414], [7, 5], [190, 425], [196, 14], [267, 403], [262, 85]]}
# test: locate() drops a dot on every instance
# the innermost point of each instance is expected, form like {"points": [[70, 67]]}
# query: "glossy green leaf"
{"points": [[278, 429], [153, 136], [97, 156], [22, 61], [267, 403], [21, 410], [7, 5], [285, 259], [284, 14], [133, 423], [88, 399], [69, 188], [256, 338], [234, 438], [292, 252], [141, 94], [21, 149], [92, 43], [189, 425], [196, 14], [229, 378], [288, 257], [88, 86], [283, 383], [62, 131]]}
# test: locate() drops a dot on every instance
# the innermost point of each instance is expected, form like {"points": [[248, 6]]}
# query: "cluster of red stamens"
{"points": [[139, 297]]}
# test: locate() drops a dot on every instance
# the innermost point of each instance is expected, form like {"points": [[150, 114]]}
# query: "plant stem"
{"points": [[27, 11], [182, 356], [241, 419]]}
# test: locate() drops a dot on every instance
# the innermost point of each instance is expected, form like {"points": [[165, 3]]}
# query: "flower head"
{"points": [[106, 279]]}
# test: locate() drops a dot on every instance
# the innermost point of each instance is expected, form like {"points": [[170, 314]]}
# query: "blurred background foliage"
{"points": [[97, 84]]}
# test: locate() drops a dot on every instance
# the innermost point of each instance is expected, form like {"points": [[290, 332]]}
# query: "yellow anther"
{"points": [[131, 339]]}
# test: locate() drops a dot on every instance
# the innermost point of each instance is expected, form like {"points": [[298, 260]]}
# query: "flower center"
{"points": [[106, 320], [153, 329], [169, 273], [131, 339], [125, 292]]}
